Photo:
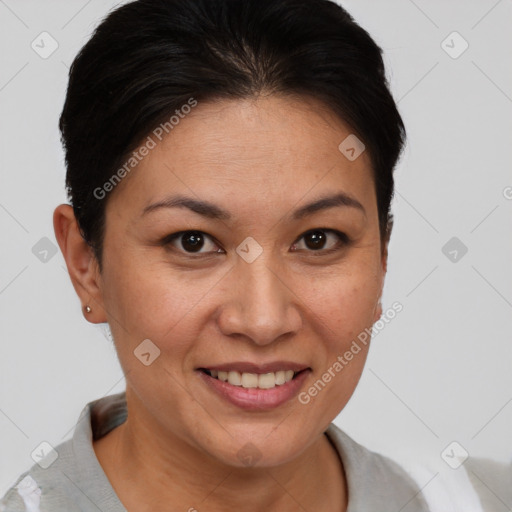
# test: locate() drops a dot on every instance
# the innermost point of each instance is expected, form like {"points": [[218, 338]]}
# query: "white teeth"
{"points": [[254, 380], [267, 380], [235, 378], [280, 378], [249, 380]]}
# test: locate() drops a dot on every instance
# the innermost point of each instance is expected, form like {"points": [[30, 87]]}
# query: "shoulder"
{"points": [[69, 478], [44, 484], [474, 485], [492, 482], [375, 482]]}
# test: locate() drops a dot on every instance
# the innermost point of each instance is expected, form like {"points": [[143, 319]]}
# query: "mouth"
{"points": [[255, 387], [249, 380]]}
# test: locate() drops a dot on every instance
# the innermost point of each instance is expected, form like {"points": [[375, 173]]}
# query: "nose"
{"points": [[260, 305]]}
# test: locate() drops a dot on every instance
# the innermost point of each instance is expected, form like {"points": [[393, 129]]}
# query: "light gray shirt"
{"points": [[74, 479]]}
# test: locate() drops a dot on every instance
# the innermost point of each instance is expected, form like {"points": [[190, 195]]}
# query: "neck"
{"points": [[150, 469]]}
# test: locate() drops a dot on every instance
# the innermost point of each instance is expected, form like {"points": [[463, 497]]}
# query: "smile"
{"points": [[254, 387], [253, 380]]}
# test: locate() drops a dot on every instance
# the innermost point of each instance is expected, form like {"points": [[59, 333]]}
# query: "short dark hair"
{"points": [[147, 58]]}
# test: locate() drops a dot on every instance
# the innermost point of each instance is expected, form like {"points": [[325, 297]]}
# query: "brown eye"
{"points": [[191, 242], [317, 240]]}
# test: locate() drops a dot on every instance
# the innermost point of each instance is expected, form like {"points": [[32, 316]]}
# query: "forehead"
{"points": [[250, 153]]}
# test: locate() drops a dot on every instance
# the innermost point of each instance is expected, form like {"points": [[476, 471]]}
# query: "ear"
{"points": [[384, 267], [82, 265]]}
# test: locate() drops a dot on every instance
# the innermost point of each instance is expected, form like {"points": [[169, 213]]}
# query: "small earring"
{"points": [[88, 308]]}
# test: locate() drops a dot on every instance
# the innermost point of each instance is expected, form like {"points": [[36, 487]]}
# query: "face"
{"points": [[253, 284]]}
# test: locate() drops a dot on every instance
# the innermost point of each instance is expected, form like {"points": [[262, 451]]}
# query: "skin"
{"points": [[260, 159]]}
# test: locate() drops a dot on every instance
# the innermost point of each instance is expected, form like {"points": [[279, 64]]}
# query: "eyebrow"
{"points": [[212, 211]]}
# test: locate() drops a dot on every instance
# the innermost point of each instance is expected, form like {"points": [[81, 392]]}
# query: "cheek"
{"points": [[344, 302], [147, 299], [341, 316]]}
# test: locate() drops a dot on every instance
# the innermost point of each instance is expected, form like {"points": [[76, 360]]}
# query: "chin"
{"points": [[269, 449]]}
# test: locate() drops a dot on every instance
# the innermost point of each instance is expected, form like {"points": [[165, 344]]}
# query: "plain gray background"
{"points": [[439, 372]]}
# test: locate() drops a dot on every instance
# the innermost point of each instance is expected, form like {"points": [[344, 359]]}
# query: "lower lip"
{"points": [[255, 398]]}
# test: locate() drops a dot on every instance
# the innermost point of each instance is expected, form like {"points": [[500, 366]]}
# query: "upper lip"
{"points": [[249, 367]]}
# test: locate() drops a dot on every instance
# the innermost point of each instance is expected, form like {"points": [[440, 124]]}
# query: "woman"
{"points": [[229, 168]]}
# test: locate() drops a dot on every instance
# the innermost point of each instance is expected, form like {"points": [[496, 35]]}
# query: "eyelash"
{"points": [[343, 241]]}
